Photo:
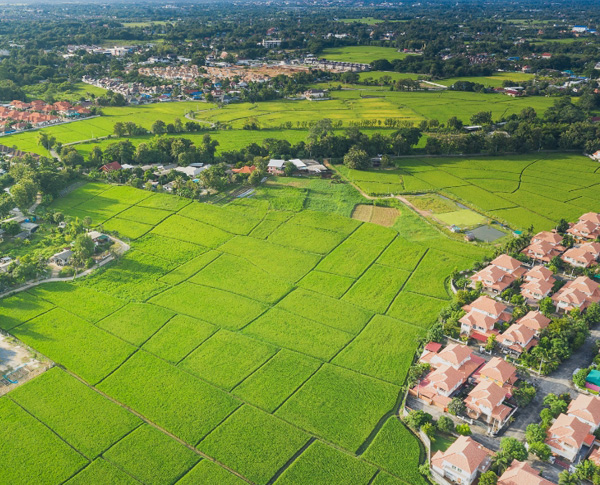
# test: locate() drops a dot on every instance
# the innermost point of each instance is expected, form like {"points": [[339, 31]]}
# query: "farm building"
{"points": [[63, 258]]}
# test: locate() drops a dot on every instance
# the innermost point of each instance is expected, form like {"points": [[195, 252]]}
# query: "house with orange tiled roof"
{"points": [[481, 317], [542, 251], [498, 371], [587, 228], [550, 237], [463, 461], [567, 436], [510, 265], [535, 320], [536, 290], [521, 473], [582, 256], [517, 339], [493, 279], [486, 401], [579, 293], [244, 170], [587, 409]]}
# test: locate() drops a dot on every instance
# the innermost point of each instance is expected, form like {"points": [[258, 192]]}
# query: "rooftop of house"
{"points": [[488, 305], [535, 320], [539, 272], [521, 473], [586, 407], [486, 393], [499, 370], [465, 454], [568, 430]]}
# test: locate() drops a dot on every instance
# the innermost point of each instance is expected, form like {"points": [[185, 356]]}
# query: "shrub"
{"points": [[445, 424], [463, 429]]}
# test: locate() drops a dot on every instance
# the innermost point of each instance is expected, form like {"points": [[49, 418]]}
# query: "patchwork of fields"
{"points": [[254, 342], [522, 191], [347, 105]]}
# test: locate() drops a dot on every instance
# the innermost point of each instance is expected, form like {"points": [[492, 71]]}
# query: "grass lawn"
{"points": [[361, 54]]}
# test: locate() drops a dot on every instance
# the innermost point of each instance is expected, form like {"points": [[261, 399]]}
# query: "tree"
{"points": [[482, 118], [416, 419], [83, 248], [445, 424], [490, 343], [546, 306], [254, 178], [357, 159], [159, 127], [6, 204], [288, 169], [454, 124], [566, 478], [580, 376], [524, 394], [457, 407], [463, 429], [541, 450], [562, 226], [119, 129], [24, 193], [488, 478], [513, 448], [429, 430], [534, 433]]}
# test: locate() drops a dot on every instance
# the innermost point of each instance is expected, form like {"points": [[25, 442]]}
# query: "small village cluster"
{"points": [[486, 385], [19, 115]]}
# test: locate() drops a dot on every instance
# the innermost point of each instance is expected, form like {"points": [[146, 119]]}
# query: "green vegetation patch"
{"points": [[398, 451], [328, 284], [402, 254], [209, 472], [226, 219], [21, 307], [321, 464], [226, 358], [145, 215], [78, 345], [417, 309], [136, 322], [101, 472], [384, 349], [126, 228], [30, 452], [306, 238], [377, 287], [167, 248], [275, 381], [166, 202], [324, 220], [84, 418], [325, 310], [285, 263], [151, 456], [362, 54], [179, 337], [353, 256], [190, 230], [298, 333], [239, 275], [254, 443], [145, 383], [340, 405], [210, 304], [83, 302], [190, 268]]}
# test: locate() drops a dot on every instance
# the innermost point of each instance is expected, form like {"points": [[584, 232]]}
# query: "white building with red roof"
{"points": [[542, 251], [549, 237], [535, 320], [567, 436], [517, 339], [481, 317], [463, 461], [499, 372], [485, 401], [582, 256], [536, 290], [587, 409], [521, 473], [579, 293], [493, 278], [587, 228], [509, 265]]}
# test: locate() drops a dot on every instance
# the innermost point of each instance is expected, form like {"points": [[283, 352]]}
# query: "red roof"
{"points": [[433, 347], [244, 169], [111, 167]]}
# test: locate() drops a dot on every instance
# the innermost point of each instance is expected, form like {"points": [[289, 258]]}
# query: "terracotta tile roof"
{"points": [[585, 285], [465, 454], [567, 430], [535, 320], [517, 333], [507, 263], [488, 305], [593, 217], [477, 320], [521, 473], [580, 256], [543, 251], [486, 393], [547, 236], [586, 408], [244, 169], [498, 370], [539, 272], [110, 167], [446, 378], [586, 229], [494, 278], [455, 354], [536, 289]]}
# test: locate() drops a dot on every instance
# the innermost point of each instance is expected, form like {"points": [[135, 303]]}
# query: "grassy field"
{"points": [[521, 190], [493, 81], [349, 105], [179, 331], [362, 54]]}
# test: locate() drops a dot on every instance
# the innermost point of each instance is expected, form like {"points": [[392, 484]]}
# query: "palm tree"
{"points": [[566, 478]]}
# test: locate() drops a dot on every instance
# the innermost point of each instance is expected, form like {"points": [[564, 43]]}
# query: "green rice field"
{"points": [[520, 191], [240, 343], [362, 54]]}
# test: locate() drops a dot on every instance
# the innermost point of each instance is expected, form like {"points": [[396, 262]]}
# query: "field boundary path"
{"points": [[122, 248]]}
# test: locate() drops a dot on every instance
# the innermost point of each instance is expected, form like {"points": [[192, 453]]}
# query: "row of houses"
{"points": [[19, 115]]}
